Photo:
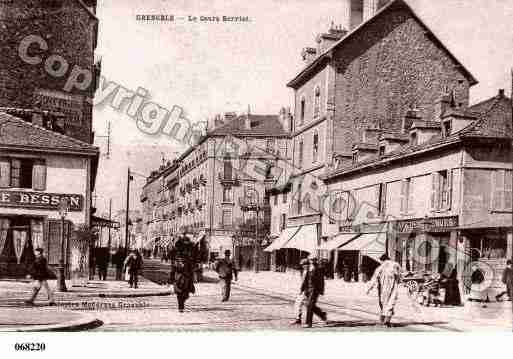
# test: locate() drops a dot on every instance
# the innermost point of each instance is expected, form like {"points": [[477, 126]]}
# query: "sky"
{"points": [[209, 68]]}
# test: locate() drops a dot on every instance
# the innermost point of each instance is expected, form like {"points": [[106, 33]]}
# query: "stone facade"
{"points": [[69, 30]]}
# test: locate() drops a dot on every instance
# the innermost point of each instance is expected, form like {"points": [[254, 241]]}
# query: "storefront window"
{"points": [[491, 246]]}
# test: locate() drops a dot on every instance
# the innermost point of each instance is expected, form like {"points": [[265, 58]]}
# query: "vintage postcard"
{"points": [[288, 165]]}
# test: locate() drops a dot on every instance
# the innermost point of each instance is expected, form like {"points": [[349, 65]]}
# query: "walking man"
{"points": [[183, 284], [227, 271], [313, 287], [301, 298], [40, 274], [507, 278], [132, 266], [386, 278]]}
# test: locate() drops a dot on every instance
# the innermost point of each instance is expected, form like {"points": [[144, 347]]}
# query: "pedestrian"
{"points": [[300, 301], [507, 278], [227, 271], [40, 273], [183, 284], [102, 262], [132, 265], [118, 260], [313, 287], [386, 278]]}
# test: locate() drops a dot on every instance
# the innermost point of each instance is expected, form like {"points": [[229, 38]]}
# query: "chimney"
{"points": [[444, 103], [410, 116], [286, 119], [308, 54], [326, 40], [247, 120]]}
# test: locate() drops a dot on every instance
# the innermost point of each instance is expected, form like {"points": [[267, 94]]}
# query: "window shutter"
{"points": [[508, 190], [434, 191], [5, 172], [497, 189], [383, 208], [39, 175], [409, 194], [449, 189], [403, 196]]}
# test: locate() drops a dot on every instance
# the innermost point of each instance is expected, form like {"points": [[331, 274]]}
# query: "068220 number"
{"points": [[30, 347]]}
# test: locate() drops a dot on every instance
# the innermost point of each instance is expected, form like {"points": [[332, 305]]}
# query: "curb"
{"points": [[87, 322], [126, 295]]}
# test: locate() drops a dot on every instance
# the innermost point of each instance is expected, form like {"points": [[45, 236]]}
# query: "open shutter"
{"points": [[449, 189], [39, 175], [403, 196], [5, 172], [508, 190], [409, 189], [434, 191], [497, 190]]}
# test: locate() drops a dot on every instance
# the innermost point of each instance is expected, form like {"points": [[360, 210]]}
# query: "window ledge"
{"points": [[501, 211]]}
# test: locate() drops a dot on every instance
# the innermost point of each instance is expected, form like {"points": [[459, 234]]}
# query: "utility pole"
{"points": [[128, 179], [110, 222]]}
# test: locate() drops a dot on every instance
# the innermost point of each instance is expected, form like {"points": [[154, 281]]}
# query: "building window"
{"points": [[299, 202], [227, 194], [501, 190], [300, 155], [291, 124], [382, 149], [23, 173], [413, 138], [315, 146], [382, 199], [284, 197], [270, 145], [275, 199], [302, 109], [283, 221], [447, 128], [227, 218], [355, 158], [406, 196], [441, 190], [317, 102], [227, 169]]}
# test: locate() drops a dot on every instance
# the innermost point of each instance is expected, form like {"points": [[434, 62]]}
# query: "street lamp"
{"points": [[63, 212]]}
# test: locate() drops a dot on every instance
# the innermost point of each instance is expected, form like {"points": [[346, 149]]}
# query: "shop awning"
{"points": [[338, 241], [284, 237], [370, 244], [220, 243], [305, 239]]}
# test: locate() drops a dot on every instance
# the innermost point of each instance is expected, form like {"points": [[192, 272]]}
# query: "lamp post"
{"points": [[63, 212], [128, 179]]}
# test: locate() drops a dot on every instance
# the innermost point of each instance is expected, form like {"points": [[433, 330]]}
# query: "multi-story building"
{"points": [[210, 191], [436, 197], [48, 78], [362, 79]]}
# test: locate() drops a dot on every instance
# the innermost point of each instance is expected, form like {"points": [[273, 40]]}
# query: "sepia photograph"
{"points": [[276, 166]]}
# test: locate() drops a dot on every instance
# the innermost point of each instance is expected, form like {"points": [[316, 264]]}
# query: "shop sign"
{"points": [[69, 105], [435, 224], [40, 200]]}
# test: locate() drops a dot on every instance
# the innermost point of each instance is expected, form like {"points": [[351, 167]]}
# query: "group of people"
{"points": [[386, 280]]}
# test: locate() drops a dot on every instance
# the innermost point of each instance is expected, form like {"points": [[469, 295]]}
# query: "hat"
{"points": [[304, 262]]}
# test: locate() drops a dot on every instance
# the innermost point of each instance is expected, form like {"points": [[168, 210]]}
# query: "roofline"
{"points": [[54, 150], [328, 53]]}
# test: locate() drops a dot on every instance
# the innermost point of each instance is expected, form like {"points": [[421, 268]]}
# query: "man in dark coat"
{"points": [[118, 260], [183, 282], [507, 278], [40, 273], [227, 271], [313, 287]]}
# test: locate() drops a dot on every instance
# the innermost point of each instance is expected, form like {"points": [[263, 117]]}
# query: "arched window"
{"points": [[317, 102], [315, 147], [300, 154]]}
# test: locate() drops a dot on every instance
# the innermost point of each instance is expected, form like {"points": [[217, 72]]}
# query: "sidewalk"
{"points": [[352, 297], [44, 319]]}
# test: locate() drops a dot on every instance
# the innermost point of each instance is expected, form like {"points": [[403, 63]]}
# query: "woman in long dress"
{"points": [[386, 278]]}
